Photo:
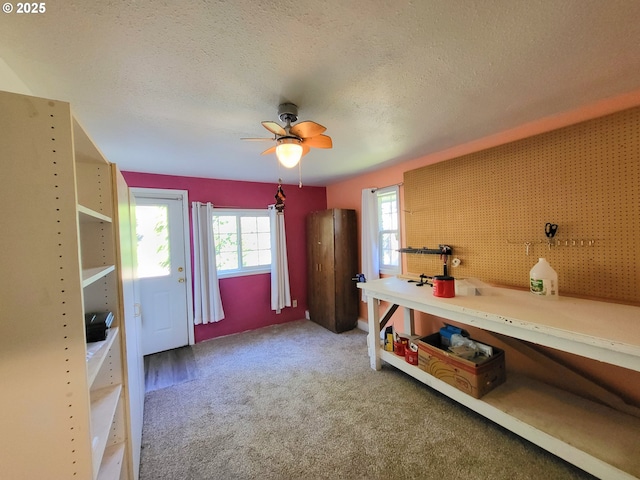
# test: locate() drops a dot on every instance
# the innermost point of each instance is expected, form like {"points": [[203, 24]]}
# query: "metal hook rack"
{"points": [[574, 242], [570, 242], [550, 230], [441, 250]]}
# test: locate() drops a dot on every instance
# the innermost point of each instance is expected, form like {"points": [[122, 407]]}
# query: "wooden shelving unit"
{"points": [[86, 215], [111, 464], [91, 275], [97, 354], [601, 440], [65, 407], [103, 410]]}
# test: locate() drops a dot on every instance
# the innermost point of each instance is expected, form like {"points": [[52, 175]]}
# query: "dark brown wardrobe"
{"points": [[332, 262]]}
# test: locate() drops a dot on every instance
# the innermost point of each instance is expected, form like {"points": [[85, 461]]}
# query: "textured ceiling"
{"points": [[171, 87]]}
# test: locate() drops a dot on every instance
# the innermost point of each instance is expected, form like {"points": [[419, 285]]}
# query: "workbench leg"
{"points": [[373, 339], [409, 325]]}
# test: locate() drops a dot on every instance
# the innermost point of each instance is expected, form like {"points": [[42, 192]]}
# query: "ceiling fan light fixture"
{"points": [[289, 151]]}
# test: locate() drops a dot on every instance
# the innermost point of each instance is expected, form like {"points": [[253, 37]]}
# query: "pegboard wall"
{"points": [[488, 205]]}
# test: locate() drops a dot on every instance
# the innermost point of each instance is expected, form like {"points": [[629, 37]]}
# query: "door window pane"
{"points": [[152, 231]]}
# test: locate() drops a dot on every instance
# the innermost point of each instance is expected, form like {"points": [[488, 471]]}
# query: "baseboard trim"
{"points": [[363, 325]]}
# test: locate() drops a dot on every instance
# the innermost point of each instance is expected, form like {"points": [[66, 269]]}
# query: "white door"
{"points": [[162, 273]]}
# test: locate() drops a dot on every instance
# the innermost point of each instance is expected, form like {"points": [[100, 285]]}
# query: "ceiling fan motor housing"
{"points": [[297, 139], [288, 112]]}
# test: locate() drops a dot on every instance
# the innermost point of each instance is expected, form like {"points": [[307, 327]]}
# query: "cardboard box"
{"points": [[475, 379]]}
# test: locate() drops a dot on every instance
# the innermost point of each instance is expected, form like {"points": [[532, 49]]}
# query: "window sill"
{"points": [[243, 273], [390, 271]]}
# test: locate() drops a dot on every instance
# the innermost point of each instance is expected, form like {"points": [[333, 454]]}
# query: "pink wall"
{"points": [[242, 315], [347, 193], [246, 300]]}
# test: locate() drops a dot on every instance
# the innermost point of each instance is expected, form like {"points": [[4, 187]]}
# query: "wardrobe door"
{"points": [[326, 264], [346, 266], [313, 301], [320, 287]]}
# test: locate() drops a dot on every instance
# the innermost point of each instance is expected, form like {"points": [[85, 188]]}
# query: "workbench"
{"points": [[597, 438]]}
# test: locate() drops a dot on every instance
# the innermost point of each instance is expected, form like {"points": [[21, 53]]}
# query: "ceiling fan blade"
{"points": [[258, 139], [269, 150], [319, 141], [307, 129], [274, 128], [305, 150]]}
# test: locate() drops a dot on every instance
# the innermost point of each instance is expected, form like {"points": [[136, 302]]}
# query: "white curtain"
{"points": [[280, 292], [369, 239], [206, 296]]}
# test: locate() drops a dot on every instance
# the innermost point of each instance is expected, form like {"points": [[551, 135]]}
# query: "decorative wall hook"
{"points": [[280, 197]]}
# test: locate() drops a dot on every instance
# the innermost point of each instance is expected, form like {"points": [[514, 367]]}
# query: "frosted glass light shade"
{"points": [[289, 152]]}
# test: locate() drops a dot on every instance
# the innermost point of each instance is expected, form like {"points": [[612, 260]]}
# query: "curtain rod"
{"points": [[214, 205], [374, 189]]}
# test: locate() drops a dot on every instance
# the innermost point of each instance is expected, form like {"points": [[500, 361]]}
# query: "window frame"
{"points": [[238, 213], [387, 269]]}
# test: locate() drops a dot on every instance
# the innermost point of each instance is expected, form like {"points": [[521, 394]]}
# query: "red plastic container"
{"points": [[410, 356], [400, 346], [444, 286]]}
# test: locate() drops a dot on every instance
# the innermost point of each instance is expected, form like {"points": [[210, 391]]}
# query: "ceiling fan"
{"points": [[293, 141]]}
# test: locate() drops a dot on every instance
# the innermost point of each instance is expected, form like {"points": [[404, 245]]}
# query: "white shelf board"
{"points": [[87, 215], [97, 352], [90, 275], [112, 460], [103, 409], [596, 438]]}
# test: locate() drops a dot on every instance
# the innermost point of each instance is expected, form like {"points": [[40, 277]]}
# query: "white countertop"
{"points": [[566, 323]]}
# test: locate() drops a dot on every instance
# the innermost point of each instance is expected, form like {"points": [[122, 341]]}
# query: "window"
{"points": [[243, 242], [388, 229]]}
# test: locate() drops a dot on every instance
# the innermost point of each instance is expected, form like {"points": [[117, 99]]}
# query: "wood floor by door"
{"points": [[169, 368]]}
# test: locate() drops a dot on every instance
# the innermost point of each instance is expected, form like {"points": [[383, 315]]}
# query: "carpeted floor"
{"points": [[296, 401]]}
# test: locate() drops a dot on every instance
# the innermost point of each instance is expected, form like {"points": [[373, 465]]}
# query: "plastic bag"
{"points": [[463, 347]]}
